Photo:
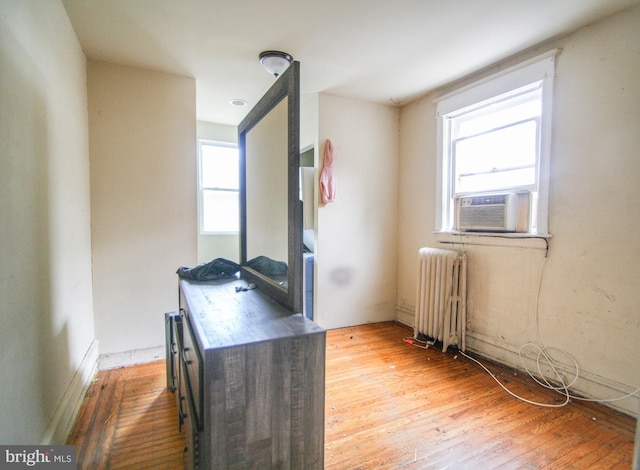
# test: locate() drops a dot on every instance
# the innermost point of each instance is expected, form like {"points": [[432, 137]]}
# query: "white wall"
{"points": [[142, 129], [589, 296], [45, 245], [357, 235], [217, 132], [225, 245]]}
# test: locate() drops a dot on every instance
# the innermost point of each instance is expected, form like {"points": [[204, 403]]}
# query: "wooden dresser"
{"points": [[250, 380]]}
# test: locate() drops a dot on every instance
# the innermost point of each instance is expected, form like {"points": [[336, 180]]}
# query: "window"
{"points": [[494, 136], [219, 187]]}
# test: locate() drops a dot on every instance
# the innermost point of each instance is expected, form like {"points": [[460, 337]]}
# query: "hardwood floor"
{"points": [[129, 421], [388, 405]]}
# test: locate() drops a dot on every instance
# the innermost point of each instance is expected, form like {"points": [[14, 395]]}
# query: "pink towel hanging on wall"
{"points": [[327, 178]]}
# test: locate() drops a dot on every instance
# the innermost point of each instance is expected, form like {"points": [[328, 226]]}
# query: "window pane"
{"points": [[494, 181], [496, 160], [220, 211], [498, 115], [219, 167]]}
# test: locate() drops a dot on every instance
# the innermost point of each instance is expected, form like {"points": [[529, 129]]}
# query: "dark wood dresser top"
{"points": [[226, 318]]}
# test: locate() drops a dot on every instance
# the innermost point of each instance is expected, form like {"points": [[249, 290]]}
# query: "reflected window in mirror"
{"points": [[219, 187]]}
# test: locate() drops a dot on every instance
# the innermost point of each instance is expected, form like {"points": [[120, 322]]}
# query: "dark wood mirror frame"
{"points": [[286, 86]]}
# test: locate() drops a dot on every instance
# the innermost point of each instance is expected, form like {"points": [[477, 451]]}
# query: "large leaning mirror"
{"points": [[270, 206]]}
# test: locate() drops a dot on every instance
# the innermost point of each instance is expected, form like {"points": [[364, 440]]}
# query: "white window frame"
{"points": [[539, 69], [202, 189]]}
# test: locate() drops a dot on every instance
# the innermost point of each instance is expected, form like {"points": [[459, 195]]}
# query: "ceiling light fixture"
{"points": [[275, 62]]}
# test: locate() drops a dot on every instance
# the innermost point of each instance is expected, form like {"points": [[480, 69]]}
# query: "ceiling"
{"points": [[383, 51]]}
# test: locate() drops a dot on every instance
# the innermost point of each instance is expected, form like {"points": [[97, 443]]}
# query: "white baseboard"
{"points": [[405, 315], [130, 358], [67, 410]]}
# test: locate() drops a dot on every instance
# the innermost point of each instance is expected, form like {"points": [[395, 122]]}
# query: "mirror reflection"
{"points": [[267, 194]]}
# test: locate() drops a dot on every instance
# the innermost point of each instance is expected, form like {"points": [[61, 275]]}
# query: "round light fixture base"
{"points": [[238, 102]]}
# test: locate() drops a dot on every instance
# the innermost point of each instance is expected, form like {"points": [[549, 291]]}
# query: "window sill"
{"points": [[510, 240], [217, 234]]}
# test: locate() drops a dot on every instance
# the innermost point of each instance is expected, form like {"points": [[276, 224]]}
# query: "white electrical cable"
{"points": [[543, 352], [515, 395], [542, 357]]}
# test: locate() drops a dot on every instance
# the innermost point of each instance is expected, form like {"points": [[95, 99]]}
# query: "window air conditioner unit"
{"points": [[493, 212]]}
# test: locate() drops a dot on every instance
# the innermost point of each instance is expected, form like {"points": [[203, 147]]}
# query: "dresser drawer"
{"points": [[192, 451], [172, 327], [192, 362]]}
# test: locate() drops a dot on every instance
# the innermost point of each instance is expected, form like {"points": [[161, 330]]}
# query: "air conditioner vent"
{"points": [[496, 212]]}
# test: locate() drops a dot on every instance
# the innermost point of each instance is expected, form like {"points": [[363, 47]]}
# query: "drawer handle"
{"points": [[184, 356], [181, 414]]}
